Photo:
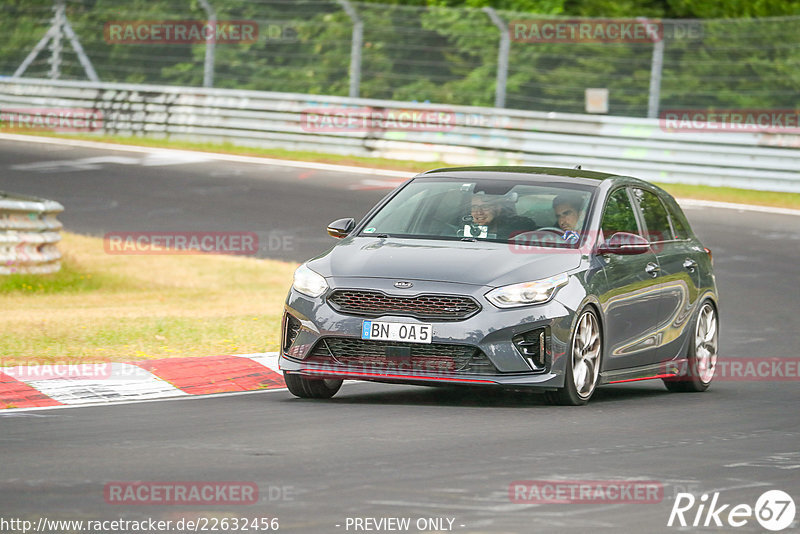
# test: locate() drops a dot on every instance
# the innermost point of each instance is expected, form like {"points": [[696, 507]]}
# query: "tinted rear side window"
{"points": [[677, 222], [655, 216]]}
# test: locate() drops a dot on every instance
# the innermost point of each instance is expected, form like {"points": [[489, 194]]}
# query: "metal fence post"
{"points": [[82, 57], [655, 80], [502, 58], [55, 42], [355, 47], [656, 65], [208, 69]]}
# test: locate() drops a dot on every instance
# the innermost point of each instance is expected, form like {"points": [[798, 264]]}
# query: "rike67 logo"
{"points": [[774, 510]]}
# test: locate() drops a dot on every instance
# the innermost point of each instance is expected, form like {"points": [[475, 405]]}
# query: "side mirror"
{"points": [[341, 227], [624, 243]]}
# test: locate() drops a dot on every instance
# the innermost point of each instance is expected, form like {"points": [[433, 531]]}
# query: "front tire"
{"points": [[311, 388], [702, 353], [583, 368]]}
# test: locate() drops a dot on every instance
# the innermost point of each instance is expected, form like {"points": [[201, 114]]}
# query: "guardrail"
{"points": [[640, 147], [29, 232]]}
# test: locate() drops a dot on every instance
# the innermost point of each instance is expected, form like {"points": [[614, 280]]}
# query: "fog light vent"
{"points": [[291, 327], [533, 347]]}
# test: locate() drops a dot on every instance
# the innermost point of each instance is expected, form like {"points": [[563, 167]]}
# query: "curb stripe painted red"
{"points": [[213, 374], [16, 394], [191, 376]]}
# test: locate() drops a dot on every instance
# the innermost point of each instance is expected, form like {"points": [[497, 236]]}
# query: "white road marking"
{"points": [[169, 157], [785, 460], [154, 159], [72, 165], [367, 184]]}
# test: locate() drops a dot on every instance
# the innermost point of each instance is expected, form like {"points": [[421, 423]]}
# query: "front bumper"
{"points": [[490, 333]]}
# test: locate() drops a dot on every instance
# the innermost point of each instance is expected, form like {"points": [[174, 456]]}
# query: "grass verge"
{"points": [[701, 192], [104, 308]]}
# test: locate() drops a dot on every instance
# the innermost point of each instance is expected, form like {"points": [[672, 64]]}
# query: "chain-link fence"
{"points": [[404, 53]]}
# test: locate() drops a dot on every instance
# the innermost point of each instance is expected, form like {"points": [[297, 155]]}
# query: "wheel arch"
{"points": [[593, 303], [711, 297]]}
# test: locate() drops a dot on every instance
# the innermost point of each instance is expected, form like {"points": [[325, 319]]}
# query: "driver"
{"points": [[568, 212], [498, 218]]}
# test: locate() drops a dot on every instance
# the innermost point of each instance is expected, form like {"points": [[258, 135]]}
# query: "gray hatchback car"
{"points": [[520, 277]]}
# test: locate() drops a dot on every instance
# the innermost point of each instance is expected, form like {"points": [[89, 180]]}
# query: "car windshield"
{"points": [[540, 214]]}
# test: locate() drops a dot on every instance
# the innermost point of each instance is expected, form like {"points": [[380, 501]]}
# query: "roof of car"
{"points": [[549, 171], [533, 174]]}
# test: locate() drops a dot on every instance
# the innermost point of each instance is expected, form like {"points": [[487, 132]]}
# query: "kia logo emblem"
{"points": [[402, 284]]}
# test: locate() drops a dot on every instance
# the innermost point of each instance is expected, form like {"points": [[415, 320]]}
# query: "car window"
{"points": [[655, 216], [677, 222], [618, 215], [405, 214]]}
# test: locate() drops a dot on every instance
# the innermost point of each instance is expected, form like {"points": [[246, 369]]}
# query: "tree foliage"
{"points": [[746, 53]]}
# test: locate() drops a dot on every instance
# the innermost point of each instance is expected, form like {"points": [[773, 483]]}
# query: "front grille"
{"points": [[375, 303], [373, 356]]}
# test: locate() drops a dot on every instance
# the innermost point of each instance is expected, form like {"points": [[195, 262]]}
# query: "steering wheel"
{"points": [[559, 231]]}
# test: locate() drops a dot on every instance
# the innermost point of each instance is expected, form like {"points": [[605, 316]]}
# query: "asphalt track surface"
{"points": [[379, 451]]}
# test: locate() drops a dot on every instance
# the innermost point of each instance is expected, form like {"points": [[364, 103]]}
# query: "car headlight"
{"points": [[526, 293], [308, 282]]}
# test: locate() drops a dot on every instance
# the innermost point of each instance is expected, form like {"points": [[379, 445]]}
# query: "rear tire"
{"points": [[311, 388], [702, 353], [583, 367]]}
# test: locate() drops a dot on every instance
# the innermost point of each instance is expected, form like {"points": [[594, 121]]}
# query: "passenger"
{"points": [[500, 220]]}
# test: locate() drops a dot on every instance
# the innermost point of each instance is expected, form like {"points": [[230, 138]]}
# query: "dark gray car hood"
{"points": [[476, 263]]}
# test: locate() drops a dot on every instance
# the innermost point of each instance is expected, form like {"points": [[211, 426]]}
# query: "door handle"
{"points": [[689, 264], [652, 269]]}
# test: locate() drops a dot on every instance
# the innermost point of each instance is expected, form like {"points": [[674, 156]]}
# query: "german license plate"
{"points": [[382, 331]]}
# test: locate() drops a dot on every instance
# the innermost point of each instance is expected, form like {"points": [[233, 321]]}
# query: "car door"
{"points": [[631, 298], [678, 271]]}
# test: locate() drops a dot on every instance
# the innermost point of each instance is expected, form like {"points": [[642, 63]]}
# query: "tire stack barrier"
{"points": [[29, 232]]}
